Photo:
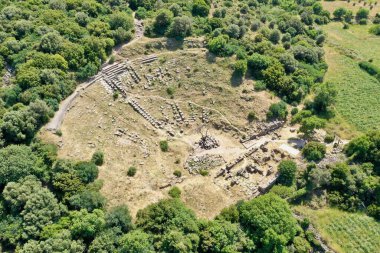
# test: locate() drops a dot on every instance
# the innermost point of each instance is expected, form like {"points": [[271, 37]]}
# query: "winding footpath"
{"points": [[55, 123]]}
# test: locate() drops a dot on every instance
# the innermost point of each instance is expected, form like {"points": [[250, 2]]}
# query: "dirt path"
{"points": [[55, 123]]}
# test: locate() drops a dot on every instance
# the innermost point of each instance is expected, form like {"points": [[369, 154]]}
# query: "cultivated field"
{"points": [[353, 5], [358, 92], [345, 232]]}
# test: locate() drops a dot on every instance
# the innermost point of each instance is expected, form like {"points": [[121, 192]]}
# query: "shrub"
{"points": [[98, 158], [164, 146], [294, 111], [177, 173], [200, 8], [369, 68], [131, 171], [375, 30], [58, 132], [170, 91], [181, 27], [314, 151], [251, 116], [260, 85], [287, 170], [363, 21], [362, 14], [203, 172], [240, 67], [175, 192], [329, 138], [277, 111], [141, 13]]}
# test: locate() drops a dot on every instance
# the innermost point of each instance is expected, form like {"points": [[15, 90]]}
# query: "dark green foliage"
{"points": [[131, 171], [362, 14], [370, 69], [177, 173], [200, 8], [230, 214], [61, 242], [106, 241], [166, 215], [251, 116], [162, 21], [375, 29], [87, 171], [365, 148], [136, 242], [329, 138], [164, 146], [175, 192], [314, 151], [222, 236], [87, 199], [325, 96], [309, 124], [269, 221], [17, 162], [277, 111], [119, 217], [287, 170], [181, 27], [240, 68], [98, 158]]}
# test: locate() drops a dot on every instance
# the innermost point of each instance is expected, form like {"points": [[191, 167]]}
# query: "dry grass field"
{"points": [[201, 86]]}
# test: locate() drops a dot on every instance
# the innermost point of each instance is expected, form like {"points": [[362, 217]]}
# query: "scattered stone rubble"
{"points": [[137, 107], [265, 129], [195, 164], [208, 142]]}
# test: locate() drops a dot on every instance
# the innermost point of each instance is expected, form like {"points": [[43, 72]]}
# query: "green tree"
{"points": [[119, 217], [121, 20], [51, 43], [61, 242], [181, 27], [162, 21], [309, 124], [17, 162], [287, 170], [325, 97], [217, 45], [136, 242], [98, 158], [314, 151], [240, 67], [86, 225], [277, 111], [87, 171], [166, 215], [362, 14], [269, 221], [200, 8], [223, 236], [87, 199]]}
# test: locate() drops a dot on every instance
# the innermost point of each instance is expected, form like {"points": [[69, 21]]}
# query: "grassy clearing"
{"points": [[345, 232], [358, 97]]}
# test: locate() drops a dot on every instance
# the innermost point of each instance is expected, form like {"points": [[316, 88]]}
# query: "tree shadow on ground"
{"points": [[236, 79]]}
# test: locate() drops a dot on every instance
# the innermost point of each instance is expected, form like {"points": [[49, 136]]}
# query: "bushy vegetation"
{"points": [[49, 45], [314, 151]]}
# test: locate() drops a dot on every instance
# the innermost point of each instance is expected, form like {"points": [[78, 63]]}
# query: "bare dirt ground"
{"points": [[187, 91]]}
